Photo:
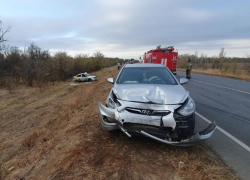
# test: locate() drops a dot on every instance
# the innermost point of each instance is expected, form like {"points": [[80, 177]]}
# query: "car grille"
{"points": [[160, 132], [148, 111]]}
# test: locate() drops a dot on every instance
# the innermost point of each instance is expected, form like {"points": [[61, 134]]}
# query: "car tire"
{"points": [[89, 80]]}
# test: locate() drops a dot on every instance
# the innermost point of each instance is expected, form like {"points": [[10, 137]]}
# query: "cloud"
{"points": [[112, 3], [128, 28]]}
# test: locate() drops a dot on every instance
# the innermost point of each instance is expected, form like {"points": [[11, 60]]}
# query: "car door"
{"points": [[84, 77], [78, 77]]}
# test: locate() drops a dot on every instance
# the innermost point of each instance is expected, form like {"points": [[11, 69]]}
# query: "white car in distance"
{"points": [[84, 77]]}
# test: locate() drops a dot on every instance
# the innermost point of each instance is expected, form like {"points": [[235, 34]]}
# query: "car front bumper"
{"points": [[117, 118]]}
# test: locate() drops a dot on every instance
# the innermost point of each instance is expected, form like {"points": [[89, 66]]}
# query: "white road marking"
{"points": [[226, 133], [222, 87]]}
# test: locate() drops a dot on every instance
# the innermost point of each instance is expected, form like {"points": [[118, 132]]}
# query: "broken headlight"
{"points": [[188, 108], [111, 103]]}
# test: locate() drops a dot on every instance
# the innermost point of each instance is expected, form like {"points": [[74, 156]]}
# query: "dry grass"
{"points": [[56, 134], [239, 74], [31, 140]]}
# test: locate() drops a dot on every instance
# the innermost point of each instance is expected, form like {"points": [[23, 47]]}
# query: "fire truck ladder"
{"points": [[174, 66]]}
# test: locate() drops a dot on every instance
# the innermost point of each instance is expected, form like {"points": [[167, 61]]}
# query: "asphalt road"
{"points": [[226, 101]]}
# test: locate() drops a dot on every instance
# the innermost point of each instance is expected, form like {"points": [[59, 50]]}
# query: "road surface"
{"points": [[226, 101]]}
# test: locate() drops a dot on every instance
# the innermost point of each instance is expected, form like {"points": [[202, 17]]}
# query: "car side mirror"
{"points": [[110, 80], [183, 80]]}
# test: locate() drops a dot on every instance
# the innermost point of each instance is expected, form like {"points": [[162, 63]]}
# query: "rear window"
{"points": [[141, 75]]}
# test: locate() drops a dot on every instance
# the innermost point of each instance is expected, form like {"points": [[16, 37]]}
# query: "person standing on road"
{"points": [[118, 65], [189, 69]]}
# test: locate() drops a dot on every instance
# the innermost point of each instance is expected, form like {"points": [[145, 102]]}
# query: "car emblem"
{"points": [[144, 111]]}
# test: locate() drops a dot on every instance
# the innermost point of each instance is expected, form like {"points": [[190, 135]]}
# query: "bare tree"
{"points": [[222, 54], [235, 66], [196, 59], [82, 55], [36, 53], [98, 54], [32, 65], [61, 64], [42, 72], [196, 54], [53, 76], [2, 34], [247, 65]]}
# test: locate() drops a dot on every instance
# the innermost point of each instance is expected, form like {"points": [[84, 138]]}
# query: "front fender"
{"points": [[105, 114]]}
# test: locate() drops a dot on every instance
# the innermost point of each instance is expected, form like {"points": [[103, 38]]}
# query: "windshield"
{"points": [[141, 75]]}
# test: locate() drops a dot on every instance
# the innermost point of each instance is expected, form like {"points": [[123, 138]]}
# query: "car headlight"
{"points": [[188, 108], [111, 103]]}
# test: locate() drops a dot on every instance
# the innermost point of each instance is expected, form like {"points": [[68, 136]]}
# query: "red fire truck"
{"points": [[166, 56]]}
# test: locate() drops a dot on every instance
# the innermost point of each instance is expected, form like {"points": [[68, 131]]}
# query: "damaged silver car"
{"points": [[147, 100]]}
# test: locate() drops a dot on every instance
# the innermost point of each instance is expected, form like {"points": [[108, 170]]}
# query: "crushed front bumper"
{"points": [[112, 119]]}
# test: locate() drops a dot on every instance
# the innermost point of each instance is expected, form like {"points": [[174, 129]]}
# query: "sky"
{"points": [[128, 28]]}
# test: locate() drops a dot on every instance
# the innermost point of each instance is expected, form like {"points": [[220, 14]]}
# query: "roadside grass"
{"points": [[239, 74], [30, 140], [55, 134]]}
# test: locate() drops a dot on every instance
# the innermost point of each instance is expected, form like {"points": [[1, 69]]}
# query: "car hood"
{"points": [[158, 94]]}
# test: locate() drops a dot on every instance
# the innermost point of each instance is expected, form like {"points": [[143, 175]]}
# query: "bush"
{"points": [[36, 67]]}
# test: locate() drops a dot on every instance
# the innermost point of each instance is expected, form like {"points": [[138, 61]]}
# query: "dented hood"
{"points": [[159, 94]]}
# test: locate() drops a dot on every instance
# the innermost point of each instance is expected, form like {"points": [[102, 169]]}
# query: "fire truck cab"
{"points": [[166, 56]]}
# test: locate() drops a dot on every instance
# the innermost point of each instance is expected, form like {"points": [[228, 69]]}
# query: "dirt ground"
{"points": [[55, 134]]}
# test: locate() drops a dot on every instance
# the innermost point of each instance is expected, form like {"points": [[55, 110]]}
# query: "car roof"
{"points": [[143, 65]]}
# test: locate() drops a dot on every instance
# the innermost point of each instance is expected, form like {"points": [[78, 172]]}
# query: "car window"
{"points": [[141, 75], [79, 75], [83, 75]]}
